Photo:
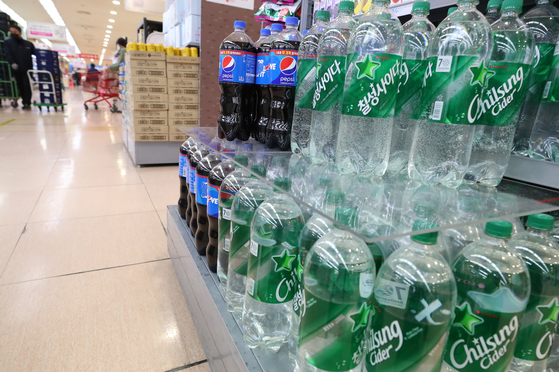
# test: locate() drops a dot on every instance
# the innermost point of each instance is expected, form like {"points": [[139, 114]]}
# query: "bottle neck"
{"points": [[240, 29], [542, 2], [495, 241], [345, 13], [419, 14], [291, 27], [537, 232], [322, 22], [380, 4], [467, 4], [510, 13], [493, 10]]}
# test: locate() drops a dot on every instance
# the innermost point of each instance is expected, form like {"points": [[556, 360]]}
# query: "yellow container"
{"points": [[150, 47], [159, 48], [194, 52], [131, 46], [177, 52], [170, 51], [142, 47], [185, 52]]}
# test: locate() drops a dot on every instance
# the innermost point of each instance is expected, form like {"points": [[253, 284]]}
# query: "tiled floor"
{"points": [[86, 283]]}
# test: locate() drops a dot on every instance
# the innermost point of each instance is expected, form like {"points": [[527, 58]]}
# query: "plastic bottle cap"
{"points": [[260, 170], [512, 5], [422, 6], [334, 196], [346, 215], [277, 27], [323, 14], [265, 32], [292, 21], [451, 10], [496, 4], [283, 183], [424, 210], [540, 221], [346, 5], [426, 238], [240, 24], [242, 160], [499, 229]]}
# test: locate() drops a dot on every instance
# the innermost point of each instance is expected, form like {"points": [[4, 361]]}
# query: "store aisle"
{"points": [[86, 283]]}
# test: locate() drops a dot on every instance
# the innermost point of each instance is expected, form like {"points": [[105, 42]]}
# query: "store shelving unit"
{"points": [[149, 153], [537, 172]]}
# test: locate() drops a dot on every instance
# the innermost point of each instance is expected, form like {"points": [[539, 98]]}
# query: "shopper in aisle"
{"points": [[18, 53], [121, 50]]}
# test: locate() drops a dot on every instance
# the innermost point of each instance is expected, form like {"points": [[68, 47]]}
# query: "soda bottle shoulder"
{"points": [[543, 21], [513, 41], [417, 36]]}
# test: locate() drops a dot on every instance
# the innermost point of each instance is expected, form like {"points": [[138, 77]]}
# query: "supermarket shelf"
{"points": [[538, 172], [150, 153], [218, 330]]}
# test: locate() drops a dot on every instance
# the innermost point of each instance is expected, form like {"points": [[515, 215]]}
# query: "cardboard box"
{"points": [[148, 89], [148, 122], [183, 106], [137, 54], [183, 83], [190, 30], [146, 72], [142, 114], [175, 129], [180, 122], [176, 137], [150, 137], [182, 60], [181, 91], [153, 65], [184, 99], [183, 75], [182, 67], [149, 97], [154, 106], [183, 114], [151, 129], [147, 80]]}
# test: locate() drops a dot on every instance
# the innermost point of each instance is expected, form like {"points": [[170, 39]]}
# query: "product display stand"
{"points": [[539, 172], [149, 153], [219, 332]]}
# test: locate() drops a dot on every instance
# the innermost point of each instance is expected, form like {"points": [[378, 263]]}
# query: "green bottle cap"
{"points": [[424, 210], [259, 170], [497, 4], [421, 6], [429, 238], [512, 5], [334, 196], [499, 229], [540, 221], [346, 5], [346, 215], [298, 170], [323, 14], [242, 160], [283, 183], [451, 10]]}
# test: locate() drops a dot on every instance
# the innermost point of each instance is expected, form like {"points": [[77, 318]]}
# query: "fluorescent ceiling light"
{"points": [[13, 15], [112, 12], [112, 20], [103, 50], [108, 36], [108, 32], [116, 2], [109, 26], [51, 10], [105, 39]]}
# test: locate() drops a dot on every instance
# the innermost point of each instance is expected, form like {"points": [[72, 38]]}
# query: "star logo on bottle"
{"points": [[367, 68], [360, 318], [480, 74], [549, 312], [288, 65], [464, 317], [228, 64], [284, 261]]}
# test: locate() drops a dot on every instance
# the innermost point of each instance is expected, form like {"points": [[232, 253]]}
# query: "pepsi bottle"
{"points": [[237, 70], [283, 70], [203, 170], [193, 148], [192, 210], [183, 174]]}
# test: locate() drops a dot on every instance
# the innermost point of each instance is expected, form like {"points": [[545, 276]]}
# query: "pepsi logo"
{"points": [[228, 64], [288, 65]]}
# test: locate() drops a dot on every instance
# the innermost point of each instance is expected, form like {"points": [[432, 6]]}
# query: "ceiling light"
{"points": [[116, 2], [103, 50], [113, 12], [51, 10], [105, 39], [112, 20], [109, 26], [108, 31]]}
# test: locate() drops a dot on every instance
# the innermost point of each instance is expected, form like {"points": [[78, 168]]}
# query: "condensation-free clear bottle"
{"points": [[493, 11]]}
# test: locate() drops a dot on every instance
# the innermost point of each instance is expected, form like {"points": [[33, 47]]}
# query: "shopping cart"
{"points": [[8, 85], [50, 91], [104, 85]]}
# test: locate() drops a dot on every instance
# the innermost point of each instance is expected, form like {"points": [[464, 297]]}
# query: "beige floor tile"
{"points": [[162, 213], [86, 177], [164, 194], [204, 367], [16, 207], [60, 204], [25, 161], [54, 248], [23, 179], [90, 159], [159, 174], [126, 319], [9, 236]]}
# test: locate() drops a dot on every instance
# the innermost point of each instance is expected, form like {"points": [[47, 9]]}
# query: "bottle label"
{"points": [[299, 297], [273, 273], [330, 80], [263, 68], [506, 89], [283, 67], [213, 200], [481, 339], [201, 189], [236, 66], [538, 328], [408, 99], [372, 92], [192, 179], [551, 88], [240, 237], [224, 226], [452, 89], [541, 68], [306, 76], [332, 334], [182, 164]]}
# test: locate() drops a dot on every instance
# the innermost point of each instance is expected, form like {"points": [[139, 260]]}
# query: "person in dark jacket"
{"points": [[18, 52]]}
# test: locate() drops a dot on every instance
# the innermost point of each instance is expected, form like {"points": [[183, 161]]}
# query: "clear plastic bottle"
{"points": [[272, 270], [261, 85], [543, 21], [493, 11], [466, 210], [493, 287], [417, 35], [454, 80], [451, 10], [306, 76], [338, 284], [537, 327], [415, 295], [278, 168], [229, 188], [509, 66], [374, 57], [244, 205], [330, 80]]}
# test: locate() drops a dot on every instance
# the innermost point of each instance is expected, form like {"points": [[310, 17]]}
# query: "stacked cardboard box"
{"points": [[183, 77]]}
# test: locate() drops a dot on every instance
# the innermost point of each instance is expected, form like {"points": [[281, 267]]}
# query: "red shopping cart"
{"points": [[104, 85]]}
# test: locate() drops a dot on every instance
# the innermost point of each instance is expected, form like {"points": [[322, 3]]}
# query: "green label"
{"points": [[306, 74], [224, 224], [481, 339], [412, 73], [505, 92], [333, 334], [272, 273], [551, 87], [299, 297], [538, 327], [453, 85], [374, 84], [330, 79], [543, 61], [240, 236]]}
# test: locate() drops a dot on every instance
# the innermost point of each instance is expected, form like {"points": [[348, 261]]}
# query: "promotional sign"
{"points": [[78, 63], [64, 48], [40, 45], [38, 30], [88, 56], [145, 6]]}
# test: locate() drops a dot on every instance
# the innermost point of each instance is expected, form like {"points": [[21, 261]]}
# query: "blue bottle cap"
{"points": [[277, 27], [265, 32], [240, 24], [292, 21]]}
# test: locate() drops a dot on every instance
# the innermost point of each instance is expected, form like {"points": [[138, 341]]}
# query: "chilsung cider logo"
{"points": [[380, 342]]}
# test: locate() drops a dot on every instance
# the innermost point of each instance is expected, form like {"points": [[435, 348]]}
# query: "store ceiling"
{"points": [[87, 21]]}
